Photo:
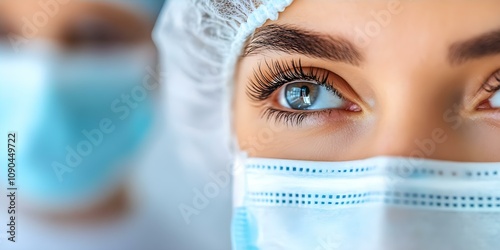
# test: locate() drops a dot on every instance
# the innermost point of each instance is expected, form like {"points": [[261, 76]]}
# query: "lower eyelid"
{"points": [[313, 118], [285, 117]]}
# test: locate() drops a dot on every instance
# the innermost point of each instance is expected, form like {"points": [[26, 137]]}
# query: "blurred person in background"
{"points": [[79, 88]]}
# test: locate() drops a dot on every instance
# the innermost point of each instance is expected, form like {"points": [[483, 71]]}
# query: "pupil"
{"points": [[301, 96], [305, 91], [306, 99]]}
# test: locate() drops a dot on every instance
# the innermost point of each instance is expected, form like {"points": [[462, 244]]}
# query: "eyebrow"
{"points": [[481, 46], [293, 40]]}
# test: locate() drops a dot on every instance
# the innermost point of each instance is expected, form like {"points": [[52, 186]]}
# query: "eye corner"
{"points": [[488, 96], [484, 106]]}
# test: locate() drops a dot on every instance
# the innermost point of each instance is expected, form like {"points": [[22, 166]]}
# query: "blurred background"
{"points": [[100, 161]]}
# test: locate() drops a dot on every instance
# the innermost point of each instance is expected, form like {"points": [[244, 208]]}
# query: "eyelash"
{"points": [[492, 89], [279, 74]]}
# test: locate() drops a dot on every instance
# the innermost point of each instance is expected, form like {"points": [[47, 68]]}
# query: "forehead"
{"points": [[342, 15], [426, 25]]}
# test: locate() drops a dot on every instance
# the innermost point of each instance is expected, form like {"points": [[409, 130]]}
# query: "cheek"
{"points": [[482, 140], [327, 143]]}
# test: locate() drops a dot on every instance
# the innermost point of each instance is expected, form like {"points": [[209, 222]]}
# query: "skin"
{"points": [[414, 102], [71, 31]]}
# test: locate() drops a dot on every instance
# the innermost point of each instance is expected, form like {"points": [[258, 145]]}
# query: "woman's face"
{"points": [[343, 80], [72, 25]]}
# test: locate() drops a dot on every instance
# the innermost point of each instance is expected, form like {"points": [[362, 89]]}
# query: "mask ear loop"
{"points": [[239, 178]]}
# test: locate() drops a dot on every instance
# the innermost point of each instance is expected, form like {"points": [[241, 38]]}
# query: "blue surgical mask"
{"points": [[79, 119], [381, 203]]}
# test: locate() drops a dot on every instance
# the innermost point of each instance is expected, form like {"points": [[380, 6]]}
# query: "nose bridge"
{"points": [[410, 122]]}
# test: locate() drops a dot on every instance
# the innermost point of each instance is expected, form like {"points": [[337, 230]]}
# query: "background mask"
{"points": [[78, 119]]}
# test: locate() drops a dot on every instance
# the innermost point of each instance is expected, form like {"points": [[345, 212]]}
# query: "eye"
{"points": [[491, 87], [4, 32], [294, 93], [94, 33], [495, 100], [305, 95]]}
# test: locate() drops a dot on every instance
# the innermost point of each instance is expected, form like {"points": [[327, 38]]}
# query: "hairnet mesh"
{"points": [[213, 31], [200, 41]]}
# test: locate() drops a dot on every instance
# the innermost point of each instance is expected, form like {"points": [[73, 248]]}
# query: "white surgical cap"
{"points": [[211, 33], [200, 41], [204, 38]]}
